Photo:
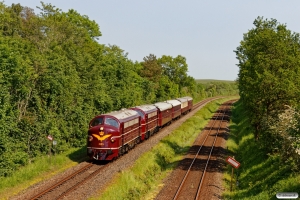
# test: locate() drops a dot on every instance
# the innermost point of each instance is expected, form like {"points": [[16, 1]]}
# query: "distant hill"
{"points": [[212, 80]]}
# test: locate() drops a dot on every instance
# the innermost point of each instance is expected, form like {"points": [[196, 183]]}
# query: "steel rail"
{"points": [[189, 169], [210, 153], [93, 174], [89, 165]]}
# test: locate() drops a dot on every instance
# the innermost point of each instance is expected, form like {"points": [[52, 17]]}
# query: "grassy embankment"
{"points": [[42, 169], [144, 179], [260, 176]]}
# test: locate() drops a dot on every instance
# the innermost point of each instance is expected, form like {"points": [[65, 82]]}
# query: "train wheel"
{"points": [[121, 151], [157, 129], [138, 140], [151, 133], [147, 135], [126, 148]]}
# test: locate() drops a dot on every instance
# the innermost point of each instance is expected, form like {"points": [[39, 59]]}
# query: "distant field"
{"points": [[212, 80]]}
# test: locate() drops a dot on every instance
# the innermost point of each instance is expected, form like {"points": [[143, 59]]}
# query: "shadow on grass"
{"points": [[178, 150], [263, 182], [184, 164], [80, 155]]}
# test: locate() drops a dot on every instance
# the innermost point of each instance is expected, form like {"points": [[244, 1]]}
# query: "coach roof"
{"points": [[188, 98], [174, 102], [147, 108], [163, 106], [182, 99]]}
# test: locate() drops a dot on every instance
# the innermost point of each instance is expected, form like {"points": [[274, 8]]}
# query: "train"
{"points": [[113, 134]]}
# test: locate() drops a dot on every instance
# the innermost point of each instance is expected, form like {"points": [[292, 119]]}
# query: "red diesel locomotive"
{"points": [[149, 120], [113, 134]]}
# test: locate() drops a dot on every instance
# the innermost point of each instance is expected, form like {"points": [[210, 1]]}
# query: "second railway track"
{"points": [[189, 180], [194, 177]]}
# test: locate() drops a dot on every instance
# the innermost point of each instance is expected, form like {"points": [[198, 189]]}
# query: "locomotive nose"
{"points": [[98, 136]]}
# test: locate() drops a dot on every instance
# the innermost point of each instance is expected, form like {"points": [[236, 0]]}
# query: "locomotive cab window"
{"points": [[97, 121], [111, 122]]}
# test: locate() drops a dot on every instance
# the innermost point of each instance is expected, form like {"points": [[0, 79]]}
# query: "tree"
{"points": [[269, 66], [151, 69], [175, 68]]}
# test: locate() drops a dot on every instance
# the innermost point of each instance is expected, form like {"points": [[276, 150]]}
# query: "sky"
{"points": [[206, 33]]}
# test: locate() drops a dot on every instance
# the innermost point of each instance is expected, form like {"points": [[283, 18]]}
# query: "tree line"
{"points": [[55, 76], [268, 81]]}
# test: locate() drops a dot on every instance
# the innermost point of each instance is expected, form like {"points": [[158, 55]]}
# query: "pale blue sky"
{"points": [[205, 32]]}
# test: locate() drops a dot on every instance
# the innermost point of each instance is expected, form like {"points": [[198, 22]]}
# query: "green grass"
{"points": [[260, 176], [145, 178], [43, 168]]}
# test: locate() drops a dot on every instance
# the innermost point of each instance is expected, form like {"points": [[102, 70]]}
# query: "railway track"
{"points": [[203, 102], [194, 177], [70, 183], [189, 179]]}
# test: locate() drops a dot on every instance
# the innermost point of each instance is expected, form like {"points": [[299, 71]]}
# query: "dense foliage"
{"points": [[259, 176], [269, 62], [55, 76]]}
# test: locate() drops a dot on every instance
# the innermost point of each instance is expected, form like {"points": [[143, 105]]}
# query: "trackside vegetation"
{"points": [[266, 122], [42, 169], [55, 76], [268, 81], [145, 178], [260, 176]]}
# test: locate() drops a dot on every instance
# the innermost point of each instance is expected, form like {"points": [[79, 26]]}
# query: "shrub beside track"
{"points": [[260, 176]]}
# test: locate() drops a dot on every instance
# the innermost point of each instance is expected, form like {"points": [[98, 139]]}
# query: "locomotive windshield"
{"points": [[112, 122], [97, 121]]}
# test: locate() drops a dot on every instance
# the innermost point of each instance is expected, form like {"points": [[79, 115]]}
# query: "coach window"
{"points": [[112, 122], [97, 121]]}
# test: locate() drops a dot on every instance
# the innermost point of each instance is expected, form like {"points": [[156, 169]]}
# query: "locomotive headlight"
{"points": [[112, 140], [101, 133], [90, 138]]}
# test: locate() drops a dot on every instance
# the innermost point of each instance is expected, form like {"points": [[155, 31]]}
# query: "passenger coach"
{"points": [[190, 102], [176, 108], [184, 105], [164, 113]]}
